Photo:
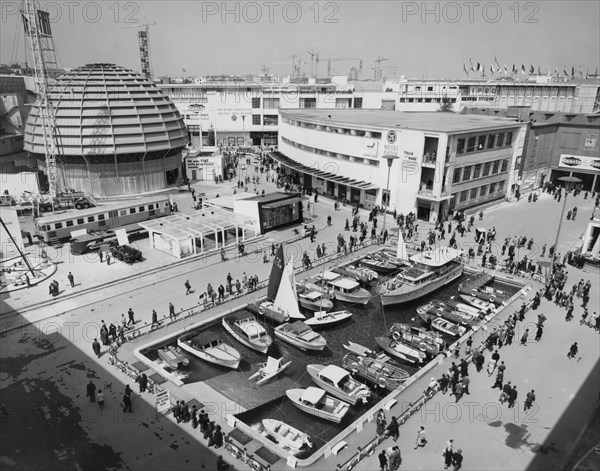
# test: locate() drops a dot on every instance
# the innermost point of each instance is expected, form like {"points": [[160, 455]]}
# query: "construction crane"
{"points": [[35, 28], [314, 59], [329, 61], [377, 69], [144, 45]]}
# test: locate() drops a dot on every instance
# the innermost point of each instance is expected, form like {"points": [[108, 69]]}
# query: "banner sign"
{"points": [[163, 401], [579, 162]]}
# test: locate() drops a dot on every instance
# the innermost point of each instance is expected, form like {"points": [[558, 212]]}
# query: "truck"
{"points": [[68, 200]]}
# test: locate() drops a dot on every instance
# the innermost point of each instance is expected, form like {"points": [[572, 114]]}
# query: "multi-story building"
{"points": [[439, 161]]}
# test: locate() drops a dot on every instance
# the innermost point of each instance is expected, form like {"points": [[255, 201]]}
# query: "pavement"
{"points": [[46, 354]]}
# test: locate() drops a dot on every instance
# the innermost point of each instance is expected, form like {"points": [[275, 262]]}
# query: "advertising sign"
{"points": [[579, 162], [370, 148], [163, 401]]}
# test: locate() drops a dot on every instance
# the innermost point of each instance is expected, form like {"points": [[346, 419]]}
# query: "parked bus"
{"points": [[60, 226]]}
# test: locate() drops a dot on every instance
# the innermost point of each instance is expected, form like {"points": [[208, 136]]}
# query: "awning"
{"points": [[278, 204], [287, 162]]}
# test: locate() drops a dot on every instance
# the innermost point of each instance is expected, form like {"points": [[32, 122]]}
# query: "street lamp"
{"points": [[569, 183], [390, 159], [244, 129]]}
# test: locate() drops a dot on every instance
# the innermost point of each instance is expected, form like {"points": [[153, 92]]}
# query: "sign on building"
{"points": [[579, 162]]}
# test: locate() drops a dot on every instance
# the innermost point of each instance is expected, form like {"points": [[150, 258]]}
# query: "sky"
{"points": [[417, 39]]}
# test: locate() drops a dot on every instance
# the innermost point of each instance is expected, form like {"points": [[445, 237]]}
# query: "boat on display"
{"points": [[360, 274], [327, 319], [416, 337], [435, 309], [173, 357], [281, 303], [495, 296], [378, 371], [427, 272], [343, 288], [268, 370], [475, 283], [472, 310], [448, 327], [339, 382], [317, 402], [484, 306], [300, 335], [380, 263], [287, 436], [211, 348], [247, 330], [314, 300], [400, 350]]}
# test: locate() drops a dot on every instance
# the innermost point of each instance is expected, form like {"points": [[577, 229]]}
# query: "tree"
{"points": [[446, 105]]}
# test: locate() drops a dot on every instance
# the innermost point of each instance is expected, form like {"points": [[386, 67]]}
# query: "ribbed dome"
{"points": [[104, 110]]}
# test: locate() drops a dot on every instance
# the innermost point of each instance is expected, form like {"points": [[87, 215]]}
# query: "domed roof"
{"points": [[107, 109]]}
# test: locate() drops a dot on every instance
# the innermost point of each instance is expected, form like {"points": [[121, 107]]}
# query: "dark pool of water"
{"points": [[270, 401]]}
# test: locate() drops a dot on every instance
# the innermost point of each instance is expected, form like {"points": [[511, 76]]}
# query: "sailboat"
{"points": [[281, 303]]}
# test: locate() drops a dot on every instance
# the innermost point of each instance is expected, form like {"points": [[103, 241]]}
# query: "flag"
{"points": [[514, 70], [472, 66], [465, 69], [548, 70], [497, 64], [565, 72], [505, 70], [587, 72], [523, 71], [556, 71], [572, 71], [492, 68], [531, 70], [539, 70], [478, 67], [580, 71]]}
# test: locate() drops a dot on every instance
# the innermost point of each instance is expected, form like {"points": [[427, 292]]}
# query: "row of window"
{"points": [[484, 142], [481, 191], [335, 155], [336, 130], [473, 172], [267, 120], [426, 100], [268, 103], [100, 217]]}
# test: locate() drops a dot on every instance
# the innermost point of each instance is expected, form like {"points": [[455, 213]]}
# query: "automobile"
{"points": [[243, 167]]}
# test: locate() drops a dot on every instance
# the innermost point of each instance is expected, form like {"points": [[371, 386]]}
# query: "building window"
{"points": [[80, 221], [473, 193], [358, 102], [460, 148], [492, 188], [495, 167], [500, 142], [388, 105], [58, 225], [486, 169], [466, 174], [69, 223], [255, 102], [504, 165], [256, 119], [101, 217], [308, 102], [501, 186], [471, 144], [270, 120], [476, 171], [342, 102], [509, 136], [481, 143], [271, 103], [463, 196], [91, 219], [123, 212], [140, 209], [483, 190], [491, 141], [457, 172], [131, 210]]}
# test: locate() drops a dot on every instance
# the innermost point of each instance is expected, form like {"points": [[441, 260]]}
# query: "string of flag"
{"points": [[496, 69]]}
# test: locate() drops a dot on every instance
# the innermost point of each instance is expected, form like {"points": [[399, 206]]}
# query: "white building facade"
{"points": [[440, 162]]}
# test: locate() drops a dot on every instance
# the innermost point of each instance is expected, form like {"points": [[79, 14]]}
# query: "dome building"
{"points": [[116, 132]]}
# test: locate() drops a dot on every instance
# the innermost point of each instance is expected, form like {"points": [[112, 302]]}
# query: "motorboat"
{"points": [[400, 350], [485, 306], [314, 300], [173, 357], [211, 348], [361, 274], [287, 436], [339, 382], [435, 309], [317, 402], [377, 369], [379, 263], [247, 330], [327, 319], [343, 288], [427, 272], [448, 327], [472, 310], [416, 337], [487, 293], [300, 335], [268, 370]]}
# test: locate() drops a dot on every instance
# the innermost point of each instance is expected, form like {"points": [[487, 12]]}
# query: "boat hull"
{"points": [[320, 305], [286, 435], [424, 289], [374, 371], [411, 357], [382, 269], [233, 363], [313, 371], [335, 416], [353, 298], [262, 348], [299, 343], [332, 319]]}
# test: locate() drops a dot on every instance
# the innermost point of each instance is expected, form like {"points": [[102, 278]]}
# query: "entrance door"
{"points": [[342, 191], [330, 188], [423, 211]]}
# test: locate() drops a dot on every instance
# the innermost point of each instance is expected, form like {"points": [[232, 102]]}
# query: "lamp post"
{"points": [[244, 130], [569, 183], [390, 159]]}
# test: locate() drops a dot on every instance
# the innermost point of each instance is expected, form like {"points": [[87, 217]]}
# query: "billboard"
{"points": [[579, 162]]}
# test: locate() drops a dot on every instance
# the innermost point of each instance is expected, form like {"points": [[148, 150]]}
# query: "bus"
{"points": [[101, 218]]}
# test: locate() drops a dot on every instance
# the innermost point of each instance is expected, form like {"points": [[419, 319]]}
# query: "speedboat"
{"points": [[372, 368], [418, 338], [247, 330], [317, 402], [479, 303], [287, 436], [344, 289], [314, 300], [400, 350], [339, 382], [173, 357], [361, 274], [327, 319], [448, 327], [379, 263], [300, 335], [210, 348], [455, 303], [435, 309]]}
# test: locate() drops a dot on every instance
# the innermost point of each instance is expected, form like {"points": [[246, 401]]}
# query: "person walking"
{"points": [[127, 403], [71, 279], [421, 438], [524, 337], [448, 453], [573, 351], [393, 429], [499, 380], [131, 319], [457, 459], [188, 287], [395, 458], [383, 461], [506, 389], [512, 397], [100, 398], [171, 311], [91, 391], [529, 400], [154, 319], [465, 380], [96, 347], [177, 412], [539, 332]]}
